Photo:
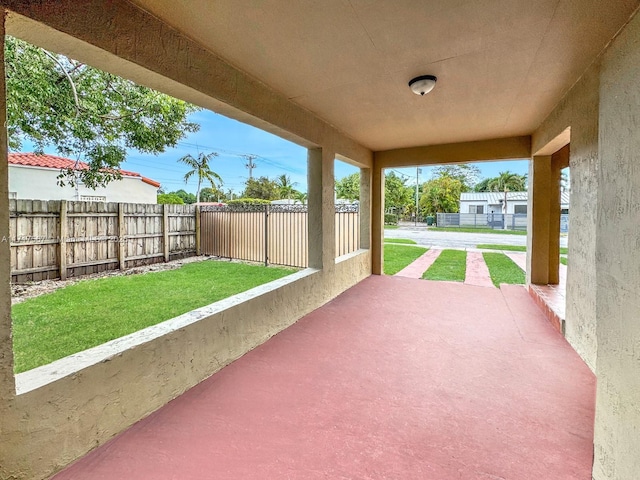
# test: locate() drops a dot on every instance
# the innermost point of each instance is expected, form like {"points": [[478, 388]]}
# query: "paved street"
{"points": [[432, 238]]}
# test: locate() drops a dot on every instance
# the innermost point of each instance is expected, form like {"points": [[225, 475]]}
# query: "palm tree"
{"points": [[507, 182], [300, 196], [200, 167], [285, 186]]}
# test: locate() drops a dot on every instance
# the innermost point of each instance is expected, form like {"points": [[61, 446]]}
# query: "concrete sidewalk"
{"points": [[420, 265]]}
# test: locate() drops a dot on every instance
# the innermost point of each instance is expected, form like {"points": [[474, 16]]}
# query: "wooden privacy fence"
{"points": [[58, 239], [271, 234]]}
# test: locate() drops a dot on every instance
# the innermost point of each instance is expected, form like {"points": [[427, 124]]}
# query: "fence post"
{"points": [[198, 249], [165, 231], [266, 235], [122, 232], [63, 239]]}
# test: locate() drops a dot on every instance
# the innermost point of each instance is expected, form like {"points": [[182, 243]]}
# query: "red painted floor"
{"points": [[395, 379]]}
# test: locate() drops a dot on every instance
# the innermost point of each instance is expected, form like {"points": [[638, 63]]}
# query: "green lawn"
{"points": [[450, 265], [478, 230], [399, 240], [563, 260], [390, 227], [396, 257], [512, 248], [502, 269], [92, 312]]}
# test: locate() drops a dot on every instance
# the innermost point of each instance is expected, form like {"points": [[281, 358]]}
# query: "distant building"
{"points": [[492, 202], [34, 177]]}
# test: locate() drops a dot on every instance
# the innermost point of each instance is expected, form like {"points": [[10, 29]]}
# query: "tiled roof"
{"points": [[53, 161], [151, 182]]}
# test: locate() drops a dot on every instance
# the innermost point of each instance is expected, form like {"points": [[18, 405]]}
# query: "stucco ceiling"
{"points": [[501, 64]]}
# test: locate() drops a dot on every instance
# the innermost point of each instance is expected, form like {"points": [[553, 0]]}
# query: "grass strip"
{"points": [[391, 227], [399, 240], [502, 269], [478, 230], [92, 312], [512, 248], [563, 260], [451, 265], [396, 257]]}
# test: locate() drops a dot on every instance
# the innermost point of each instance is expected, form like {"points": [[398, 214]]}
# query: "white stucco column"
{"points": [[322, 243]]}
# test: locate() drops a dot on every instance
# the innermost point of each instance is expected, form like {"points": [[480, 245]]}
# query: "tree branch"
{"points": [[73, 85]]}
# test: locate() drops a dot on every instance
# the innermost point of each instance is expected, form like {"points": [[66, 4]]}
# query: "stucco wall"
{"points": [[617, 434], [41, 184], [579, 111], [65, 419]]}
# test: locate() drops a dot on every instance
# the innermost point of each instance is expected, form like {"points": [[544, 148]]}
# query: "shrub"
{"points": [[249, 201], [390, 219], [170, 199]]}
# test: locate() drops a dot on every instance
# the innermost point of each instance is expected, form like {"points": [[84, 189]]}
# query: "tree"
{"points": [[200, 167], [169, 198], [441, 195], [485, 184], [467, 174], [85, 113], [285, 186], [507, 182], [398, 197], [263, 188], [348, 187], [185, 196], [300, 197], [209, 194]]}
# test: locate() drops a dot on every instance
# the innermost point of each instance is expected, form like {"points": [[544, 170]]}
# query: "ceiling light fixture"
{"points": [[422, 84]]}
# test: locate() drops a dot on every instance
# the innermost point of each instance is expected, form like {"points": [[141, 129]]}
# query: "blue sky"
{"points": [[275, 156]]}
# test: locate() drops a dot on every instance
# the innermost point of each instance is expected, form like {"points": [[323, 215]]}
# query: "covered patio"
{"points": [[392, 379], [367, 377]]}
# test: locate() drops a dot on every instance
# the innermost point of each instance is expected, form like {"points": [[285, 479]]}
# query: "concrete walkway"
{"points": [[477, 272], [519, 259], [420, 265], [397, 378]]}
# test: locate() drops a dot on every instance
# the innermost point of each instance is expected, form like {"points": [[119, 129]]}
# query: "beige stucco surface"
{"points": [[617, 434], [578, 111]]}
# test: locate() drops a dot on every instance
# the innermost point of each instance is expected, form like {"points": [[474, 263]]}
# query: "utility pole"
{"points": [[418, 172], [250, 164]]}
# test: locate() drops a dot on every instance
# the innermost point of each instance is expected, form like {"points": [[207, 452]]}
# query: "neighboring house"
{"points": [[492, 202], [34, 177]]}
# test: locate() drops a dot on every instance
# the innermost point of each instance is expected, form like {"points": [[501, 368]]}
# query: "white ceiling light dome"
{"points": [[423, 84]]}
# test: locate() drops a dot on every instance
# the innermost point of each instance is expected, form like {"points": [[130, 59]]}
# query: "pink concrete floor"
{"points": [[395, 379], [420, 265], [477, 272]]}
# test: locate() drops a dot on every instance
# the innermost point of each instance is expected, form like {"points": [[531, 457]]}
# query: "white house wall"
{"points": [[41, 184]]}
